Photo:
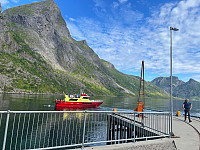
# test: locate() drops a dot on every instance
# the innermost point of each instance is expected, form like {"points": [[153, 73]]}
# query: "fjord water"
{"points": [[47, 102]]}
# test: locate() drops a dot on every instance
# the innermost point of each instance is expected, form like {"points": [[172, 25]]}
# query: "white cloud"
{"points": [[72, 19], [125, 44], [76, 31], [115, 4], [15, 1], [196, 77], [4, 2], [123, 1], [99, 3]]}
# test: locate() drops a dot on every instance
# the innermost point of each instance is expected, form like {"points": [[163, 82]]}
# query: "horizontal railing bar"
{"points": [[151, 137], [56, 147], [64, 146], [127, 139], [67, 112], [2, 112], [125, 112], [155, 130]]}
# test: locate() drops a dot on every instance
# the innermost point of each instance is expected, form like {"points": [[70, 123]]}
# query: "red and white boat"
{"points": [[76, 101]]}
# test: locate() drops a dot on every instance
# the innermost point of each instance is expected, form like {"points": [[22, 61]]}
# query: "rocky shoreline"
{"points": [[30, 93]]}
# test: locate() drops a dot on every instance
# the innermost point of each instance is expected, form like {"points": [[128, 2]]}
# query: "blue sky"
{"points": [[125, 32]]}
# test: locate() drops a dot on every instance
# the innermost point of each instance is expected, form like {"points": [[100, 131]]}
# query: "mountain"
{"points": [[189, 89], [38, 54], [164, 82], [180, 88]]}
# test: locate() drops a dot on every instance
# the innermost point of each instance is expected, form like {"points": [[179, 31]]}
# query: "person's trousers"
{"points": [[187, 111]]}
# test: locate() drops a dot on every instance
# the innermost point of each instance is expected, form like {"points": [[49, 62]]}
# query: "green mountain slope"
{"points": [[132, 82], [180, 89], [164, 82], [38, 54], [189, 89]]}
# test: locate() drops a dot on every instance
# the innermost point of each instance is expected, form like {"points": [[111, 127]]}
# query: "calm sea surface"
{"points": [[47, 102]]}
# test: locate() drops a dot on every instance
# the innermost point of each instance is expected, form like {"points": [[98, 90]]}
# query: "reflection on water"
{"points": [[47, 102]]}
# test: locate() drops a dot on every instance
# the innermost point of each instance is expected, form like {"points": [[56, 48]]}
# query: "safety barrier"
{"points": [[67, 129]]}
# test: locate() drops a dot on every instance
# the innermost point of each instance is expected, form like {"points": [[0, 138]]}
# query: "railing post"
{"points": [[6, 130], [171, 133], [169, 124], [84, 130]]}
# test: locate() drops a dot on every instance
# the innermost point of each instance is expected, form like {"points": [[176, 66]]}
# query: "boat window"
{"points": [[85, 97], [73, 99]]}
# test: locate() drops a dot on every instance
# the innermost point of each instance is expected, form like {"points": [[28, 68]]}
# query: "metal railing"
{"points": [[67, 129]]}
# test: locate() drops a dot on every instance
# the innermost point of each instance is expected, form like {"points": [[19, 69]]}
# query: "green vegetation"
{"points": [[132, 83], [27, 71], [61, 21], [81, 45], [24, 9]]}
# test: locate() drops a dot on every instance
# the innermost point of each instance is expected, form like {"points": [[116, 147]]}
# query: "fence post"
{"points": [[6, 130], [84, 130], [171, 133], [169, 124]]}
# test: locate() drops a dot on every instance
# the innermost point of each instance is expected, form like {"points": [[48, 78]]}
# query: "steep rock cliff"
{"points": [[38, 54]]}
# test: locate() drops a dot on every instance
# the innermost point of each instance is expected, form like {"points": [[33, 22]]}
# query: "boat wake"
{"points": [[48, 105]]}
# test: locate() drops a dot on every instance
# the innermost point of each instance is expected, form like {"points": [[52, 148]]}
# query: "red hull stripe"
{"points": [[78, 104]]}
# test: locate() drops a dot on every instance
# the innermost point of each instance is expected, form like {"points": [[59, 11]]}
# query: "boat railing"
{"points": [[64, 129]]}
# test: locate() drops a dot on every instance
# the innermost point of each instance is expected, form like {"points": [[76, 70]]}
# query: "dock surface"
{"points": [[188, 136]]}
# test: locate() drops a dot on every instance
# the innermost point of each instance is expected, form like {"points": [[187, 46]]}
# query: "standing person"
{"points": [[187, 106]]}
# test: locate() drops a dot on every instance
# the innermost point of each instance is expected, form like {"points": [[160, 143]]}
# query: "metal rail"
{"points": [[65, 129]]}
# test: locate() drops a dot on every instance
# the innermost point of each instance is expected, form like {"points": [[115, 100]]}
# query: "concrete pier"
{"points": [[187, 136]]}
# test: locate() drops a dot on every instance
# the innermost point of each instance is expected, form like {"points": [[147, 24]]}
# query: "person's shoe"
{"points": [[190, 121], [184, 120]]}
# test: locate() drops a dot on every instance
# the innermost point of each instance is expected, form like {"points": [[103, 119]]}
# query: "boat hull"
{"points": [[77, 104]]}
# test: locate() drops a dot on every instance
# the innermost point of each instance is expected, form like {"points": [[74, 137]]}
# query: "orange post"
{"points": [[178, 113], [140, 107]]}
